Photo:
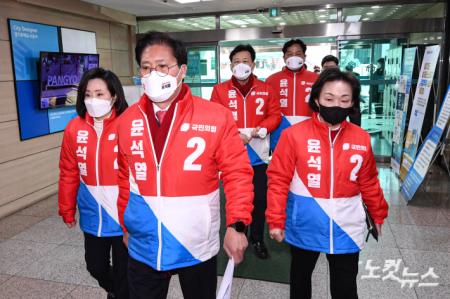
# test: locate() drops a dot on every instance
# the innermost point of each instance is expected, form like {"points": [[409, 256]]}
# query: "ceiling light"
{"points": [[243, 26], [376, 7], [252, 21], [225, 17], [282, 23], [369, 13], [186, 1], [366, 19], [352, 18], [322, 21], [237, 22], [277, 18], [180, 19], [322, 10], [195, 24], [322, 16]]}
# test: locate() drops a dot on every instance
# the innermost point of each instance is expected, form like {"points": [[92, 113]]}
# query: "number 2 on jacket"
{"points": [[358, 159], [199, 144], [259, 101]]}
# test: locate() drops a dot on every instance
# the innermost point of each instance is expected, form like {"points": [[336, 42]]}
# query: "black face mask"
{"points": [[335, 114]]}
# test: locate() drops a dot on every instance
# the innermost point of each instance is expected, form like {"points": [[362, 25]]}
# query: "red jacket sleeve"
{"points": [[215, 96], [280, 173], [69, 179], [124, 185], [273, 117], [371, 191], [237, 174]]}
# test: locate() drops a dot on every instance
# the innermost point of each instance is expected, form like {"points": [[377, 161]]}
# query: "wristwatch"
{"points": [[239, 226]]}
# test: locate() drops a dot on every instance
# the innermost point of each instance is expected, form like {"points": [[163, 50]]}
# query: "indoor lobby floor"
{"points": [[41, 258]]}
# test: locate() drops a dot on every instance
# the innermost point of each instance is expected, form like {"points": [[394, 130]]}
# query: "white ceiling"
{"points": [[170, 7]]}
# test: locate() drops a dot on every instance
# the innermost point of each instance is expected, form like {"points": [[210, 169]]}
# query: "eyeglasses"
{"points": [[161, 69]]}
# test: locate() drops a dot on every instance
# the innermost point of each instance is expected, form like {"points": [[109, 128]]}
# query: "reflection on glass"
{"points": [[377, 65], [201, 73]]}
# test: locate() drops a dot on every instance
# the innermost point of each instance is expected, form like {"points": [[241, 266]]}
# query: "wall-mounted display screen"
{"points": [[60, 74]]}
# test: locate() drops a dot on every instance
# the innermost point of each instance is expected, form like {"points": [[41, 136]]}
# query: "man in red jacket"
{"points": [[172, 146], [255, 109], [293, 85]]}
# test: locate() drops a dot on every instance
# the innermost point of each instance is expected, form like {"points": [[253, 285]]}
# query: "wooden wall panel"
{"points": [[8, 108], [119, 37], [27, 200], [121, 63], [12, 148], [5, 62], [126, 80], [105, 58], [40, 15], [27, 175], [29, 169]]}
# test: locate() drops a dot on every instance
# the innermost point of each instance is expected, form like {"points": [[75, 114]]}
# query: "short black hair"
{"points": [[293, 42], [113, 84], [330, 58], [159, 38], [242, 48], [334, 74]]}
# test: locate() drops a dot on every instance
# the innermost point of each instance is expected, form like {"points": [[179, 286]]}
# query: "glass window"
{"points": [[287, 18], [269, 55], [391, 12], [202, 70], [178, 25], [377, 65]]}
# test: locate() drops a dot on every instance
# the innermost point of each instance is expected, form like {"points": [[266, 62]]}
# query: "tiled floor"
{"points": [[41, 258]]}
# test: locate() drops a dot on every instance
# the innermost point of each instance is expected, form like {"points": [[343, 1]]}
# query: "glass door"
{"points": [[202, 71], [377, 65]]}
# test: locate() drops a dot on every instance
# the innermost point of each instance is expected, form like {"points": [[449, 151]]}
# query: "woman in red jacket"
{"points": [[88, 178], [322, 171]]}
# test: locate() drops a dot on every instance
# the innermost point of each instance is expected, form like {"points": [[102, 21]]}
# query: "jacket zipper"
{"points": [[332, 185], [245, 104], [158, 178], [97, 178], [295, 89]]}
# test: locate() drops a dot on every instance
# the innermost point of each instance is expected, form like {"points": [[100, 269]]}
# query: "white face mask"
{"points": [[242, 71], [98, 107], [158, 87], [294, 63]]}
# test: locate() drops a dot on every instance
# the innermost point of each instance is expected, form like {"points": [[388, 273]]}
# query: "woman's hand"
{"points": [[378, 227], [277, 234], [125, 239], [71, 224]]}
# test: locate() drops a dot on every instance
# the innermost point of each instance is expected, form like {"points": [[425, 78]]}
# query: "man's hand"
{"points": [[125, 239], [244, 138], [277, 234], [378, 227], [71, 224], [235, 244], [255, 132]]}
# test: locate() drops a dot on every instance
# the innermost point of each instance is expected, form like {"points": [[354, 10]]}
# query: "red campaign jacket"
{"points": [[260, 107], [290, 85], [88, 176], [172, 209], [316, 187]]}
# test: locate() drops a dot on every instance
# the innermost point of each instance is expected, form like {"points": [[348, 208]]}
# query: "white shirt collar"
{"points": [[156, 108]]}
